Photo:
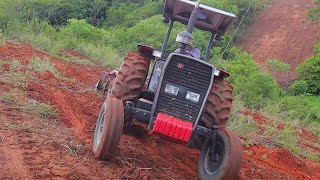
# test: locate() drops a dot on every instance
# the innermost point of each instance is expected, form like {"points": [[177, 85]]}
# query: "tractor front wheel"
{"points": [[225, 162], [108, 129]]}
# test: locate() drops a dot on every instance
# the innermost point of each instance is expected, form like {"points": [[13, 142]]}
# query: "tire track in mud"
{"points": [[71, 109], [12, 160], [36, 149]]}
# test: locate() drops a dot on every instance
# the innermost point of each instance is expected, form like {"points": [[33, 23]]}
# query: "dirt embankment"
{"points": [[283, 31], [40, 148]]}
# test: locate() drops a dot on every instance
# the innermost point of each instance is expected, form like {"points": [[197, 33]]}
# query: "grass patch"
{"points": [[310, 155], [53, 41], [39, 65], [307, 152], [15, 65], [46, 110], [245, 127], [17, 79], [314, 14], [2, 40], [74, 60], [286, 116], [278, 65], [25, 127], [314, 127], [104, 55], [305, 108], [10, 126], [242, 125], [42, 109], [292, 113], [18, 97], [288, 139], [13, 96], [16, 76]]}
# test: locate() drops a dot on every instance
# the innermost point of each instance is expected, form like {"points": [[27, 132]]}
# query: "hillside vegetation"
{"points": [[314, 14], [107, 30]]}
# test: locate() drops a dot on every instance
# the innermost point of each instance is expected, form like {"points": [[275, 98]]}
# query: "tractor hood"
{"points": [[211, 19]]}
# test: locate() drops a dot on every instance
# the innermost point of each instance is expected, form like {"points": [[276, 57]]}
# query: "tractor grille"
{"points": [[188, 75]]}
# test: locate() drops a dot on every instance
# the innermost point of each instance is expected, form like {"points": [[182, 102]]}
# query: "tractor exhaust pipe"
{"points": [[193, 17], [186, 37]]}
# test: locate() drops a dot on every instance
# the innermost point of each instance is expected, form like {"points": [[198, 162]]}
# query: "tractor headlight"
{"points": [[193, 96], [171, 89], [158, 67]]}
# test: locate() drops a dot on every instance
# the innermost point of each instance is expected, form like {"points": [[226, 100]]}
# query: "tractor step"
{"points": [[173, 127]]}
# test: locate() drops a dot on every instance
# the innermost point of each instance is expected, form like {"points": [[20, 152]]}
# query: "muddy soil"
{"points": [[60, 148], [283, 31]]}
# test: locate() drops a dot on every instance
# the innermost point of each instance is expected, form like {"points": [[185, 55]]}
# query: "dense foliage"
{"points": [[56, 12], [254, 87], [140, 16], [309, 74]]}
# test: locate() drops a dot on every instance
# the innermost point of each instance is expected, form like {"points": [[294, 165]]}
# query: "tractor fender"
{"points": [[221, 74], [149, 51]]}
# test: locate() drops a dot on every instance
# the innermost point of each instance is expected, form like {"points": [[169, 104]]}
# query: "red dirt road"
{"points": [[39, 148], [283, 31]]}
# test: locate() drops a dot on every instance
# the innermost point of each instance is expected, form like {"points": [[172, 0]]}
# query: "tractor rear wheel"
{"points": [[108, 129], [218, 106], [217, 109], [130, 81], [225, 162], [131, 77]]}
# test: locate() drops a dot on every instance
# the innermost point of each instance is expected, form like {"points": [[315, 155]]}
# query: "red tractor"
{"points": [[183, 98]]}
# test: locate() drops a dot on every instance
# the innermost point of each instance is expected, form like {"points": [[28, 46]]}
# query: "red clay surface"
{"points": [[37, 148], [283, 31]]}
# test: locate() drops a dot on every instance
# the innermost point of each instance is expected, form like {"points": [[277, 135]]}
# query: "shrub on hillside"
{"points": [[254, 87], [85, 31], [310, 73], [122, 14], [298, 87], [152, 31]]}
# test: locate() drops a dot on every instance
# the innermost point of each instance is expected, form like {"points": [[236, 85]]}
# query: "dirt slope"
{"points": [[283, 31], [40, 148]]}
